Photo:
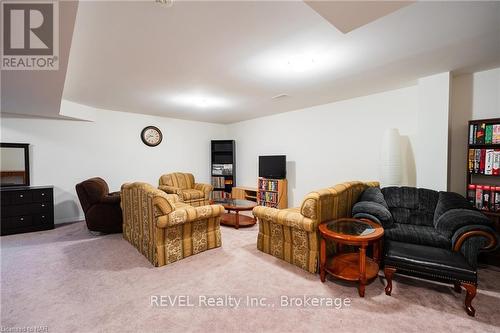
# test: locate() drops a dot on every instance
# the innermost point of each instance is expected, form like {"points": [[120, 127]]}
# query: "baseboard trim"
{"points": [[69, 219]]}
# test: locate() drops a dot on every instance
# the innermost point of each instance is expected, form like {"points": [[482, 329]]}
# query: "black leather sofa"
{"points": [[429, 234]]}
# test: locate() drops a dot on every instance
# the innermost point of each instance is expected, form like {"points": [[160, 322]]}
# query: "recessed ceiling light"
{"points": [[199, 100]]}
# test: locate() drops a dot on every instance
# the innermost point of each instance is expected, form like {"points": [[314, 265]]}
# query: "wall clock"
{"points": [[151, 136]]}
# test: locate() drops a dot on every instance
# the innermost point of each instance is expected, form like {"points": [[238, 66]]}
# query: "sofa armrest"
{"points": [[286, 217], [189, 214], [370, 209], [454, 219], [170, 189], [173, 198], [111, 199], [472, 239], [205, 188]]}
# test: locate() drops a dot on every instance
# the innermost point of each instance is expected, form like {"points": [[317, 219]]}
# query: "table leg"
{"points": [[362, 270], [376, 251], [322, 260], [237, 220]]}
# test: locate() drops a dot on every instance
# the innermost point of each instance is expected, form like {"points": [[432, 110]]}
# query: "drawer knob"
{"points": [[43, 216], [43, 205], [22, 218], [21, 196]]}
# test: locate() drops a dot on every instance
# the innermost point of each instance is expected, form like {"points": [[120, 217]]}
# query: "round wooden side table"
{"points": [[351, 266], [236, 220]]}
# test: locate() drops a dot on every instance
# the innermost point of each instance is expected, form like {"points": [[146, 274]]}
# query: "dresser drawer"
{"points": [[44, 218], [41, 207], [20, 197], [17, 222], [44, 195], [27, 209], [6, 198]]}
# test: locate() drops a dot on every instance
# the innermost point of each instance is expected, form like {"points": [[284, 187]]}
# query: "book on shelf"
{"points": [[477, 158], [218, 182], [496, 134], [488, 164], [482, 133], [220, 195], [484, 161], [472, 156], [268, 184], [496, 163], [484, 197], [222, 169], [488, 134]]}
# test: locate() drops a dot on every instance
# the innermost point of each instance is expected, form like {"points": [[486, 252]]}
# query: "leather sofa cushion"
{"points": [[417, 234], [369, 207], [428, 261]]}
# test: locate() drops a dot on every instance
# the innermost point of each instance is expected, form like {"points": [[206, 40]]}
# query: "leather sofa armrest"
{"points": [[205, 188], [170, 189], [189, 214], [111, 199], [286, 217], [454, 219], [472, 239]]}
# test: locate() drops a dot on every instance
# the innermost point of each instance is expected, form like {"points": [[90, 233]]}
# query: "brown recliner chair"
{"points": [[102, 209]]}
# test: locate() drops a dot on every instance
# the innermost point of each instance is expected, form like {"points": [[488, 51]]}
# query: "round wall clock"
{"points": [[151, 136]]}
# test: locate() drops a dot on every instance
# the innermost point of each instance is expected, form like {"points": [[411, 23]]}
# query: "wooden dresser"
{"points": [[26, 209]]}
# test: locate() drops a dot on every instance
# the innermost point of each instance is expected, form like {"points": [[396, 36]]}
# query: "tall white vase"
{"points": [[391, 161]]}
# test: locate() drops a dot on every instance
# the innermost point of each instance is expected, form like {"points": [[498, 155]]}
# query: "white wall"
{"points": [[432, 132], [473, 96], [65, 152], [331, 143], [324, 145]]}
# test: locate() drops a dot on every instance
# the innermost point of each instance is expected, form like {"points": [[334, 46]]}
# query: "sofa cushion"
{"points": [[417, 234], [411, 205], [192, 194], [373, 194], [373, 208], [448, 201], [428, 261]]}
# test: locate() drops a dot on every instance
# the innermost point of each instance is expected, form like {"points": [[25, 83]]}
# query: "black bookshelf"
{"points": [[481, 176], [223, 167]]}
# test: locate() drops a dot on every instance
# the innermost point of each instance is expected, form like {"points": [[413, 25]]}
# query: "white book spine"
{"points": [[488, 165]]}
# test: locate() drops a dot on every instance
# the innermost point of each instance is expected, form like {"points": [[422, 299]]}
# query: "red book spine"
{"points": [[482, 161]]}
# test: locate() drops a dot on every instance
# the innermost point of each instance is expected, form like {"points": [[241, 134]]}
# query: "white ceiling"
{"points": [[38, 93], [143, 57]]}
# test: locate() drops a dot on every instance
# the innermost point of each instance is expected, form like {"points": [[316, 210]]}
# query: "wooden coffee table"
{"points": [[235, 219], [351, 266]]}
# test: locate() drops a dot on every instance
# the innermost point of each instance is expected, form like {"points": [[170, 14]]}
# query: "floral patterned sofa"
{"points": [[292, 234], [182, 184], [163, 228]]}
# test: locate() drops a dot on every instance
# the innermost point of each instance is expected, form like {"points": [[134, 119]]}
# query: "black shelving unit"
{"points": [[478, 176], [223, 168]]}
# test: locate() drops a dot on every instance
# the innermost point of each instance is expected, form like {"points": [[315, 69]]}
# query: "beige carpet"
{"points": [[70, 281]]}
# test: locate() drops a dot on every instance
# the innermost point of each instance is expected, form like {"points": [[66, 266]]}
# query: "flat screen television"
{"points": [[272, 166]]}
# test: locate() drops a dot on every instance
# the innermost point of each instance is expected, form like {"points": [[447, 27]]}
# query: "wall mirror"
{"points": [[15, 169]]}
